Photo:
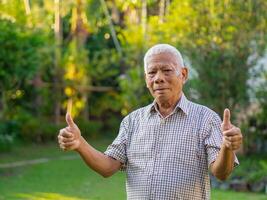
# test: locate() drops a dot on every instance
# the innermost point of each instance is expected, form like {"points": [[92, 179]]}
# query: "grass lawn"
{"points": [[70, 179]]}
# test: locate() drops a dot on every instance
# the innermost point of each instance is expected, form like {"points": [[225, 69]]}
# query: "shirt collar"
{"points": [[182, 104]]}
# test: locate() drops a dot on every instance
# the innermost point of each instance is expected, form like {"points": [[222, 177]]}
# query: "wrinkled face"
{"points": [[165, 78]]}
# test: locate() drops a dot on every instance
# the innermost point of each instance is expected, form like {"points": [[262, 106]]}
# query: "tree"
{"points": [[18, 61], [217, 37]]}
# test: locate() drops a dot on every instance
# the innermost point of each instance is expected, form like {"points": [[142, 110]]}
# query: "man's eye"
{"points": [[152, 72], [167, 70]]}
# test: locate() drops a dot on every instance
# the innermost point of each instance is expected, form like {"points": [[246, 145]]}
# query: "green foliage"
{"points": [[90, 129], [33, 129], [17, 69], [255, 125], [12, 10], [252, 169], [8, 131], [261, 95], [218, 43], [216, 37], [134, 93]]}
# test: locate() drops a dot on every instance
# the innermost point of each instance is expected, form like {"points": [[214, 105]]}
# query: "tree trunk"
{"points": [[57, 74], [80, 34], [161, 10], [27, 7]]}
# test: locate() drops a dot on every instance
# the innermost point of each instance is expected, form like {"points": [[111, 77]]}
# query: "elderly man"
{"points": [[168, 147]]}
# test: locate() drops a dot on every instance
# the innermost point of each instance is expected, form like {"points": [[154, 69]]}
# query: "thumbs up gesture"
{"points": [[232, 136], [69, 138]]}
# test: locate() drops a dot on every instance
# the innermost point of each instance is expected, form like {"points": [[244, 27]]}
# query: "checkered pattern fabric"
{"points": [[168, 158]]}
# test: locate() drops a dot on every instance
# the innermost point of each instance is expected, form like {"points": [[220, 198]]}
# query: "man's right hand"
{"points": [[69, 138]]}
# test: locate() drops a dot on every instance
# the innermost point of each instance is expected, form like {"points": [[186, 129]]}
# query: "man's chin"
{"points": [[161, 98]]}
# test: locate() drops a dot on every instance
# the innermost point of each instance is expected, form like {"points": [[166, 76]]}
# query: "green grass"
{"points": [[70, 179], [231, 195], [35, 151]]}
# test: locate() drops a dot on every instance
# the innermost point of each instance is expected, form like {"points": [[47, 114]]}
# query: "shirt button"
{"points": [[162, 121], [158, 155]]}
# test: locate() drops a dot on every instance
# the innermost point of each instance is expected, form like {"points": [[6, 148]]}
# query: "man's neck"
{"points": [[167, 107]]}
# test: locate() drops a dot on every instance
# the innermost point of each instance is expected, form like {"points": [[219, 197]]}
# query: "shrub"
{"points": [[89, 128], [8, 132]]}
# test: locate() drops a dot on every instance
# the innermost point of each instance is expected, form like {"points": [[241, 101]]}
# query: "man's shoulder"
{"points": [[140, 111], [202, 110], [138, 114]]}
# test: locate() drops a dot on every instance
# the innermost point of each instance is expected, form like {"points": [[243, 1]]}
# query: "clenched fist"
{"points": [[69, 138], [232, 136]]}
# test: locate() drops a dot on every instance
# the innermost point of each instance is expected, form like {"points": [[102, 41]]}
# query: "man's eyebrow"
{"points": [[159, 65]]}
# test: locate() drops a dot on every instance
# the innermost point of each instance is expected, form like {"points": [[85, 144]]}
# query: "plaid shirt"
{"points": [[168, 158]]}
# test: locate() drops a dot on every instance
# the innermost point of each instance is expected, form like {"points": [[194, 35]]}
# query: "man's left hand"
{"points": [[232, 136]]}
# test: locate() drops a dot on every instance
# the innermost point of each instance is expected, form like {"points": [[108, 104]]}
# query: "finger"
{"points": [[61, 135], [237, 143], [62, 146], [65, 140], [235, 147], [60, 132], [226, 116], [70, 129], [236, 138], [231, 132], [226, 140], [69, 120], [59, 138], [63, 130], [227, 144], [69, 144], [226, 124], [230, 139], [67, 134]]}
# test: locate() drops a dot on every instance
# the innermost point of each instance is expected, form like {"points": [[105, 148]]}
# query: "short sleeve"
{"points": [[214, 140], [117, 149]]}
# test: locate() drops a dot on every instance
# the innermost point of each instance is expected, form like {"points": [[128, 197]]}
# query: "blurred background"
{"points": [[91, 51]]}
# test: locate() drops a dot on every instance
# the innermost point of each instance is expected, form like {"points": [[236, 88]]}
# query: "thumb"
{"points": [[226, 124], [69, 120]]}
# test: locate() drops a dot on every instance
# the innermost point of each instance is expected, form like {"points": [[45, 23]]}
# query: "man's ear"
{"points": [[185, 71], [145, 79]]}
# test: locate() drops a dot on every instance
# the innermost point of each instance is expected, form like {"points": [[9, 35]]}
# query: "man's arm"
{"points": [[70, 138], [222, 167], [98, 161], [232, 140]]}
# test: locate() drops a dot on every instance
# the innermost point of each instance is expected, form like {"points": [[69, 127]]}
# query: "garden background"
{"points": [[91, 51]]}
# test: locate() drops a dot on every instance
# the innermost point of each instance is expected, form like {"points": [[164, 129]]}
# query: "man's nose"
{"points": [[159, 77]]}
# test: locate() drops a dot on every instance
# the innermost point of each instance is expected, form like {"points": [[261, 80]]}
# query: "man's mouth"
{"points": [[160, 89]]}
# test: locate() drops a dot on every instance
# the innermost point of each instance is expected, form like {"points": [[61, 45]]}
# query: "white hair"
{"points": [[162, 48]]}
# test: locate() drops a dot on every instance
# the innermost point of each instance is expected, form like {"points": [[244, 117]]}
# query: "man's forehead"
{"points": [[161, 60], [154, 65]]}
